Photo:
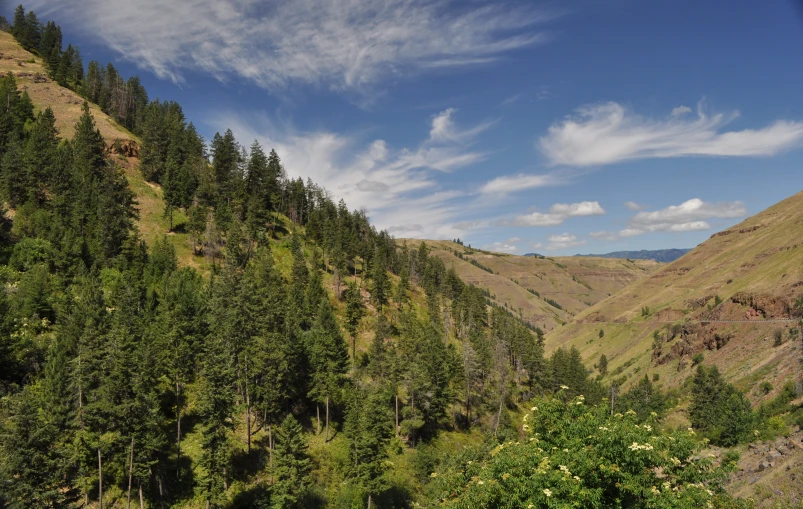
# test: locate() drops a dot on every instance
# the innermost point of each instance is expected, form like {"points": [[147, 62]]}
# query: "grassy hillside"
{"points": [[66, 104], [731, 299], [530, 283]]}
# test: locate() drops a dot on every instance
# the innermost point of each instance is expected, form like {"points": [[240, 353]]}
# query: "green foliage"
{"points": [[570, 451], [603, 365], [718, 410], [292, 465], [697, 358], [645, 399]]}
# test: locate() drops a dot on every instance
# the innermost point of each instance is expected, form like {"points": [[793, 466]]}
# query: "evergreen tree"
{"points": [[328, 356], [369, 428], [292, 465], [603, 365], [354, 313]]}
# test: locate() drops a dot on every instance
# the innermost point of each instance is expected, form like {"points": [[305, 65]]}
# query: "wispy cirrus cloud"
{"points": [[397, 186], [337, 44], [609, 133], [631, 205], [521, 182], [691, 215], [558, 213]]}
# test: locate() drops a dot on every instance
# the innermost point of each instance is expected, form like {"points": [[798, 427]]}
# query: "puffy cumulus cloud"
{"points": [[631, 205], [337, 44], [558, 213], [397, 187], [691, 215], [609, 133], [563, 241]]}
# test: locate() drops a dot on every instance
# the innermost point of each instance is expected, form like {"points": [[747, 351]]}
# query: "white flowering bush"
{"points": [[570, 454]]}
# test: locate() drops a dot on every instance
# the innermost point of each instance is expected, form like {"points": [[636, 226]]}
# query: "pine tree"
{"points": [[40, 154], [369, 428], [354, 313], [328, 357], [603, 365], [292, 465]]}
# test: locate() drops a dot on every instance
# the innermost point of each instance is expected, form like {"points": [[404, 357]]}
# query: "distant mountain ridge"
{"points": [[659, 255]]}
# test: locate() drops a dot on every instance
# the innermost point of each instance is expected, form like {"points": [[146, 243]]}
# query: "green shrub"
{"points": [[697, 358], [778, 337], [571, 452], [656, 377], [766, 387]]}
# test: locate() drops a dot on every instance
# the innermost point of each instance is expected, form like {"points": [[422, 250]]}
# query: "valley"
{"points": [[185, 325]]}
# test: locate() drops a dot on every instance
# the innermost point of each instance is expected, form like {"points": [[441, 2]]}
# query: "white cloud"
{"points": [[520, 182], [563, 241], [339, 44], [690, 215], [680, 110], [608, 133], [507, 246], [536, 245], [444, 129], [396, 186], [559, 212], [584, 208], [631, 205]]}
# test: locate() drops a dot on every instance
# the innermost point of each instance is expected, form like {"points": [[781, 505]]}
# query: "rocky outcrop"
{"points": [[741, 230], [762, 305]]}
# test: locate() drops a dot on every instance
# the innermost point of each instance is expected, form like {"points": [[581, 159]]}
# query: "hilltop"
{"points": [[658, 255], [547, 290]]}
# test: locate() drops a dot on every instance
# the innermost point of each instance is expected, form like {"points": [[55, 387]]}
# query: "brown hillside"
{"points": [[727, 299], [574, 283], [66, 104]]}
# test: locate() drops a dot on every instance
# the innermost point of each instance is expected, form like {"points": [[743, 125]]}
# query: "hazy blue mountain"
{"points": [[659, 255]]}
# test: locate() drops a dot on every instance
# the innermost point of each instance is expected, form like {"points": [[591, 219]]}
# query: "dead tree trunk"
{"points": [[130, 472], [100, 481]]}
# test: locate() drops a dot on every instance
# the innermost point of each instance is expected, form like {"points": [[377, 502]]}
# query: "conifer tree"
{"points": [[369, 428], [292, 465], [328, 357], [354, 313]]}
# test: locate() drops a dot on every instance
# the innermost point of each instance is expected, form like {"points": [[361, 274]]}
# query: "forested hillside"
{"points": [[184, 325]]}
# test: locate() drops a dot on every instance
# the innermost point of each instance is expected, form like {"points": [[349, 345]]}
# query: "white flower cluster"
{"points": [[635, 446]]}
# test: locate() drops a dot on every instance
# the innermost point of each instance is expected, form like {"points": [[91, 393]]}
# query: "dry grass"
{"points": [[765, 261], [65, 103], [574, 283]]}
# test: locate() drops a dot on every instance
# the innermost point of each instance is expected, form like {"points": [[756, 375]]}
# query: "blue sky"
{"points": [[561, 128]]}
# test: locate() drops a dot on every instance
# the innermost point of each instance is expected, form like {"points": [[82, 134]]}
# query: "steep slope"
{"points": [[535, 284], [32, 77], [728, 299]]}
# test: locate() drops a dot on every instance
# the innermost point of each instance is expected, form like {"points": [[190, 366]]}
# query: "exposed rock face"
{"points": [[694, 338], [741, 230], [762, 305]]}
